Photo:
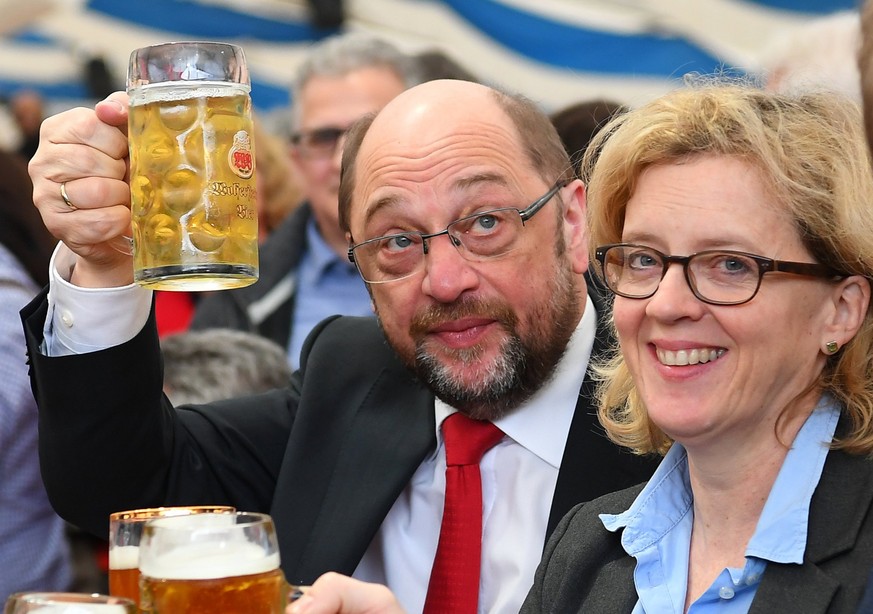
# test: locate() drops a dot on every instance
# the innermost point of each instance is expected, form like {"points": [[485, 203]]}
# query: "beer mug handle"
{"points": [[123, 244], [293, 592]]}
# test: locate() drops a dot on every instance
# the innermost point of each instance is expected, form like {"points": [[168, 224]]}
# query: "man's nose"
{"points": [[447, 274]]}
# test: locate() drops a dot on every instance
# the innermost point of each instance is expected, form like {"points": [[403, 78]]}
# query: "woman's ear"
{"points": [[851, 300]]}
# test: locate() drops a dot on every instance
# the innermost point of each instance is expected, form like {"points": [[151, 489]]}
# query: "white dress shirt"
{"points": [[82, 320], [518, 481]]}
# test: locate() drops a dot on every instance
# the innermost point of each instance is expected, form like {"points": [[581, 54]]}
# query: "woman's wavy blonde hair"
{"points": [[812, 153]]}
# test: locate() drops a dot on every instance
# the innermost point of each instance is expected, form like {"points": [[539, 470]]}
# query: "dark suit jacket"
{"points": [[267, 306], [585, 569], [326, 457]]}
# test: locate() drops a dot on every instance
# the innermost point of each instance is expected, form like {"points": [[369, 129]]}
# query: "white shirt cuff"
{"points": [[82, 320]]}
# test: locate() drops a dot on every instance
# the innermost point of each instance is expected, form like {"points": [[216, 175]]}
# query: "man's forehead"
{"points": [[422, 120], [438, 104]]}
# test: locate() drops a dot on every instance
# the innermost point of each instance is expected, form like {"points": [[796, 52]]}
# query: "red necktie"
{"points": [[454, 579]]}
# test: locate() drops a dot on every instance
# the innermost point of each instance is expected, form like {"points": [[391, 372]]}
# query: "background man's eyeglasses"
{"points": [[319, 143], [717, 277], [477, 237]]}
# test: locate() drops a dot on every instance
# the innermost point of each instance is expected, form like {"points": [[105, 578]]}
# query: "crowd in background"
{"points": [[249, 340]]}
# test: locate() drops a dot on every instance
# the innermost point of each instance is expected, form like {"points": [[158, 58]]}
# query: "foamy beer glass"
{"points": [[67, 603], [209, 563], [125, 533], [192, 167]]}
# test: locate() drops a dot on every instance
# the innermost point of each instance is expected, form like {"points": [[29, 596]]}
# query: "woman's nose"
{"points": [[674, 298]]}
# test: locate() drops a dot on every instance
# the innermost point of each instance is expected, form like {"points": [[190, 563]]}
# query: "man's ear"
{"points": [[575, 224]]}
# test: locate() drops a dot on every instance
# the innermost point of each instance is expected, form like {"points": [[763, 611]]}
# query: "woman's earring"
{"points": [[832, 347]]}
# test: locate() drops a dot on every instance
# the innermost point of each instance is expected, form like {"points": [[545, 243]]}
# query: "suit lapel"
{"points": [[839, 507], [580, 461], [351, 482], [794, 588], [592, 465]]}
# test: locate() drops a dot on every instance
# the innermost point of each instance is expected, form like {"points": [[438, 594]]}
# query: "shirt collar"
{"points": [[781, 532], [321, 255], [782, 529], [542, 423]]}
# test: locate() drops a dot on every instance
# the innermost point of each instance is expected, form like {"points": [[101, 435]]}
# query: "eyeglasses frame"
{"points": [[765, 265], [307, 152], [525, 214]]}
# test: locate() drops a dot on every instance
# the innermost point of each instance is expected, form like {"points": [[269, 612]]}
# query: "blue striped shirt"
{"points": [[33, 547]]}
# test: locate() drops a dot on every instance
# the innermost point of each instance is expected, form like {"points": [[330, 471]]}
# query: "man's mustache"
{"points": [[428, 318]]}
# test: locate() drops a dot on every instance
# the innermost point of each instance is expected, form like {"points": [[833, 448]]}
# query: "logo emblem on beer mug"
{"points": [[240, 157], [192, 166]]}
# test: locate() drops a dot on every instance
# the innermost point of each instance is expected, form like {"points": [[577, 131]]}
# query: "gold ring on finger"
{"points": [[66, 198]]}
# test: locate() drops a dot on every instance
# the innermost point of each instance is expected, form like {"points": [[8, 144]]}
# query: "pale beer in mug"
{"points": [[124, 572], [192, 165], [236, 585], [211, 563], [125, 533]]}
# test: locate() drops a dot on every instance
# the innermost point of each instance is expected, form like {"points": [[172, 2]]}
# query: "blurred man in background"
{"points": [[304, 273]]}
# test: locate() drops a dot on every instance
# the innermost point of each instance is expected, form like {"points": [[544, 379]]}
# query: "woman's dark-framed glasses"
{"points": [[477, 237], [717, 277]]}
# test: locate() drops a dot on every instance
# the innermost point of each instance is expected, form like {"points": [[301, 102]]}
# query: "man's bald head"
{"points": [[423, 115]]}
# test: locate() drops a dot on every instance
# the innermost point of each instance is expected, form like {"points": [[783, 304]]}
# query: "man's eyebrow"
{"points": [[392, 200], [478, 178]]}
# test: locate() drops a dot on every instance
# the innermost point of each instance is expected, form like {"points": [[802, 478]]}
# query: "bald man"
{"points": [[463, 218]]}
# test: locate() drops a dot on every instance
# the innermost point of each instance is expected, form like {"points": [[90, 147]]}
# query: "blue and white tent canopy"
{"points": [[555, 51]]}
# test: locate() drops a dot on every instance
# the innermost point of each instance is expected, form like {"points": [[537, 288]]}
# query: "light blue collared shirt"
{"points": [[657, 526], [327, 284]]}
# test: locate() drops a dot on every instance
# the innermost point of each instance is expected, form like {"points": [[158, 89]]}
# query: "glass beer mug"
{"points": [[206, 563], [125, 534], [192, 167], [67, 603]]}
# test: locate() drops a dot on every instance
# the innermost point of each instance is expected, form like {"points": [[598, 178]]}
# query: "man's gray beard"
{"points": [[520, 369], [499, 388]]}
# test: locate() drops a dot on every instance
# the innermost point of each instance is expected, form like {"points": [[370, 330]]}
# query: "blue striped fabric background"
{"points": [[556, 51]]}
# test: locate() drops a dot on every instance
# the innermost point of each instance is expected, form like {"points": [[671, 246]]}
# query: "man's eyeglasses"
{"points": [[477, 237], [319, 143], [717, 277]]}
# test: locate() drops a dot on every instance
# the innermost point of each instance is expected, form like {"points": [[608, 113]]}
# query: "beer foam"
{"points": [[208, 561], [123, 557], [182, 523], [176, 91]]}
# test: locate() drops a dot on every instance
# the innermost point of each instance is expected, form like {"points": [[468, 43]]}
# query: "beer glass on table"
{"points": [[192, 180], [125, 533], [206, 563], [67, 603]]}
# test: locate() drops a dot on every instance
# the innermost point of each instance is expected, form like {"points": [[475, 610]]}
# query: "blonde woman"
{"points": [[734, 227]]}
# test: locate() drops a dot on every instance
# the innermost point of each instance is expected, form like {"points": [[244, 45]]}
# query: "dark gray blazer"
{"points": [[267, 306], [326, 457], [585, 569]]}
